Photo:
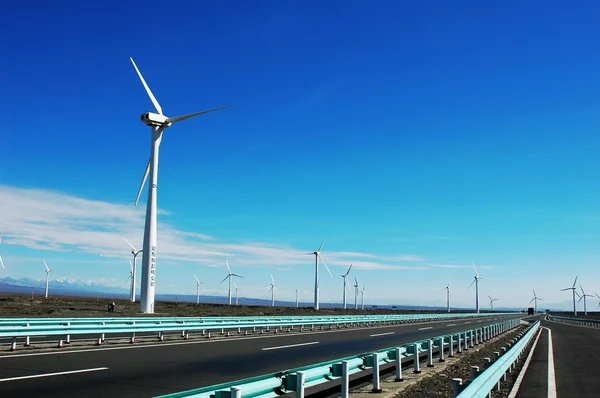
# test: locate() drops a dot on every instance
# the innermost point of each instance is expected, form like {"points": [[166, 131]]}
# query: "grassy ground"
{"points": [[25, 306]]}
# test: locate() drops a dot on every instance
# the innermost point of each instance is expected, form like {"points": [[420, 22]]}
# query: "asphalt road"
{"points": [[160, 368], [571, 360]]}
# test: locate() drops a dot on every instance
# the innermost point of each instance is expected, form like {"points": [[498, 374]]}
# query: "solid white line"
{"points": [[466, 323], [289, 346], [430, 327], [515, 389], [551, 377], [52, 374], [452, 324], [381, 334]]}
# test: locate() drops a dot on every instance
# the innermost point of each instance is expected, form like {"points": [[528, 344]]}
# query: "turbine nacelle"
{"points": [[154, 119]]}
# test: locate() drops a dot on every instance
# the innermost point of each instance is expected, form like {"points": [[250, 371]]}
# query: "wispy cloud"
{"points": [[47, 220]]}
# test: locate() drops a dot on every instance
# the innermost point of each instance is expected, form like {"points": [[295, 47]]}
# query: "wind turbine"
{"points": [[230, 275], [355, 293], [476, 282], [1, 262], [583, 296], [236, 293], [492, 303], [135, 253], [345, 276], [447, 289], [535, 298], [573, 288], [362, 298], [272, 290], [317, 257], [131, 274], [297, 299], [197, 289], [158, 123], [48, 270]]}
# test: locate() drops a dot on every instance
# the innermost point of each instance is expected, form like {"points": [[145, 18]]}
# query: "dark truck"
{"points": [[530, 311]]}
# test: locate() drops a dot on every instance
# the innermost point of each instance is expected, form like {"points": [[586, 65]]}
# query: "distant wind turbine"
{"points": [[447, 289], [197, 289], [355, 293], [48, 270], [135, 253], [272, 290], [297, 299], [230, 275], [236, 293], [362, 299], [583, 296], [535, 298], [476, 282], [573, 288], [345, 276], [130, 277], [1, 262], [492, 302], [317, 255]]}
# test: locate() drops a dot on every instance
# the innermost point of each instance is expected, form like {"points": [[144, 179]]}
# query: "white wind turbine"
{"points": [[272, 290], [355, 293], [345, 276], [583, 296], [1, 262], [135, 253], [362, 298], [492, 302], [535, 298], [48, 270], [317, 255], [130, 277], [476, 282], [230, 275], [158, 122], [447, 289], [297, 299], [573, 288], [236, 293], [197, 289]]}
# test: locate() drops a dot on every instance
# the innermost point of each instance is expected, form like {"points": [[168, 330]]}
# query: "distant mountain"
{"points": [[71, 285]]}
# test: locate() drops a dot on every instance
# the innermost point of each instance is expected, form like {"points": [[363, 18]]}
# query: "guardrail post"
{"points": [[417, 368], [471, 345], [13, 346], [376, 381], [488, 362], [345, 379], [132, 338], [441, 344], [161, 336], [477, 336], [398, 365], [60, 343], [459, 343], [430, 353], [474, 372], [456, 387], [300, 384], [451, 346], [236, 392], [102, 335], [27, 341]]}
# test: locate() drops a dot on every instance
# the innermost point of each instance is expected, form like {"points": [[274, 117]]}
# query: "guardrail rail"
{"points": [[593, 323]]}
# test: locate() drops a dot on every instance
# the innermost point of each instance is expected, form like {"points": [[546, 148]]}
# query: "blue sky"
{"points": [[416, 137]]}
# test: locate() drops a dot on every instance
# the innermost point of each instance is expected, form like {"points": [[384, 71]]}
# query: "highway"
{"points": [[160, 368], [564, 365]]}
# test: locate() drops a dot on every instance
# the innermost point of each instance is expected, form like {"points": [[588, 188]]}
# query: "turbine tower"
{"points": [[130, 277], [362, 298], [535, 298], [297, 299], [197, 289], [135, 253], [230, 275], [573, 288], [272, 290], [476, 282], [158, 123], [1, 262], [599, 298], [345, 276], [48, 270], [492, 303], [583, 296], [355, 293], [236, 293], [317, 255], [447, 289]]}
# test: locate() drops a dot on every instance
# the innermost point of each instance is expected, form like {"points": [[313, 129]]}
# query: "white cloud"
{"points": [[47, 220]]}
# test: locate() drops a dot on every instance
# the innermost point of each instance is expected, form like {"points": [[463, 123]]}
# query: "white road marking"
{"points": [[451, 324], [430, 327], [381, 334], [289, 346], [466, 323], [515, 389], [52, 374], [551, 377]]}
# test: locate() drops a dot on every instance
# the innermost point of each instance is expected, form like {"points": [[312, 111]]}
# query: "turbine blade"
{"points": [[146, 172], [195, 277], [531, 300], [326, 267], [131, 265], [224, 279], [320, 247], [597, 295], [152, 98], [581, 287], [130, 245], [471, 284], [183, 117], [347, 272], [534, 293], [46, 265], [476, 274], [568, 288], [2, 263], [540, 298], [272, 280], [574, 283], [228, 269], [234, 285], [490, 297], [236, 275], [356, 281]]}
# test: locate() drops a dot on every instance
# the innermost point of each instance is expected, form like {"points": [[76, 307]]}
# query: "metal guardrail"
{"points": [[67, 327], [483, 383], [298, 380], [575, 321]]}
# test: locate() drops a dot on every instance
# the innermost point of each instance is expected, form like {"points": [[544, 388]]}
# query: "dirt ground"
{"points": [[25, 306]]}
